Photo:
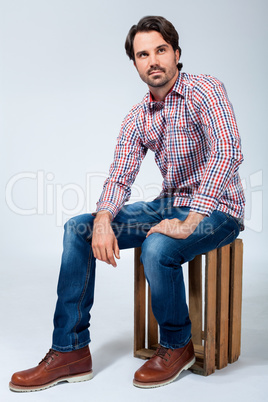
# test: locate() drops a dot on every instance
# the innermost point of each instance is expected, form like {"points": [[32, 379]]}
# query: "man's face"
{"points": [[155, 59]]}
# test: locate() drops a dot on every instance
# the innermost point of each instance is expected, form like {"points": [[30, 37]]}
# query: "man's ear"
{"points": [[134, 64], [177, 55]]}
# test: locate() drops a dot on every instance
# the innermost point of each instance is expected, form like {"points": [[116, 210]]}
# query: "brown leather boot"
{"points": [[55, 367], [165, 366]]}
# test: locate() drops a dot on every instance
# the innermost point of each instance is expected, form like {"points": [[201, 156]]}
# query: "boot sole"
{"points": [[165, 382], [75, 378]]}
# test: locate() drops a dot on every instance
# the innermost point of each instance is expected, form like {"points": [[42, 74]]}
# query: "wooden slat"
{"points": [[139, 303], [210, 312], [198, 367], [144, 353], [223, 276], [195, 298], [199, 351], [235, 300], [152, 335]]}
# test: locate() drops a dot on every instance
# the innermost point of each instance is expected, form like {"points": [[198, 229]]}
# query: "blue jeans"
{"points": [[162, 257]]}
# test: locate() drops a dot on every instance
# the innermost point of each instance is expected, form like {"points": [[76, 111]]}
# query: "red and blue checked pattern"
{"points": [[194, 136]]}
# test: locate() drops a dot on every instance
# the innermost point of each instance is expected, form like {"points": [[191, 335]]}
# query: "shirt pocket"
{"points": [[190, 141], [191, 132]]}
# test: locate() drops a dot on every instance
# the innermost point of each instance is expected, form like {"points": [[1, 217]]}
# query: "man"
{"points": [[189, 123]]}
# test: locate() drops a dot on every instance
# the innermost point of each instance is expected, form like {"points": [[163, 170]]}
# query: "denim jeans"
{"points": [[162, 257]]}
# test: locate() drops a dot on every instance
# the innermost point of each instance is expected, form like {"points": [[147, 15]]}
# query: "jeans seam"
{"points": [[77, 346], [224, 240], [81, 298], [169, 206], [175, 345], [174, 292], [212, 233], [236, 222], [132, 224], [88, 237]]}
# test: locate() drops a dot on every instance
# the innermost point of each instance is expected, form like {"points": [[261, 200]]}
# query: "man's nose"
{"points": [[153, 60]]}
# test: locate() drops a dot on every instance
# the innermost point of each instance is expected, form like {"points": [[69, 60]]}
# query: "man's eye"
{"points": [[143, 55], [161, 50]]}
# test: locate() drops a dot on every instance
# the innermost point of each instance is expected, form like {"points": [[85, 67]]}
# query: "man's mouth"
{"points": [[152, 72]]}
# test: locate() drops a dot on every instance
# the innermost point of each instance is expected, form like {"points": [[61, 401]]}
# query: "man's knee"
{"points": [[157, 251], [79, 225]]}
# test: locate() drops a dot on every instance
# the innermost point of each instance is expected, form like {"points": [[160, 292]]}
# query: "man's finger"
{"points": [[102, 254], [110, 257], [116, 249], [150, 232], [96, 253], [154, 228]]}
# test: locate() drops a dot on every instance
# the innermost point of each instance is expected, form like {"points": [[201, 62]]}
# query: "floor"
{"points": [[29, 291]]}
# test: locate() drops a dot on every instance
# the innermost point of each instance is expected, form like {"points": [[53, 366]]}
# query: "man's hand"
{"points": [[176, 228], [104, 242]]}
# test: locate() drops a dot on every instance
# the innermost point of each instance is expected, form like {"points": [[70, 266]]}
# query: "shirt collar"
{"points": [[179, 85]]}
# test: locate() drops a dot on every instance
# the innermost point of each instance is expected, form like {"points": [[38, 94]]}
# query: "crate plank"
{"points": [[139, 303], [210, 312], [222, 320], [195, 298], [152, 335], [235, 300]]}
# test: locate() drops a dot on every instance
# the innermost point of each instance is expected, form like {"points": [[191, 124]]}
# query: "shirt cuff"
{"points": [[204, 204], [107, 206]]}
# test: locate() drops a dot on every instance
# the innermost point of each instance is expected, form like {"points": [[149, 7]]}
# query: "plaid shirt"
{"points": [[194, 136]]}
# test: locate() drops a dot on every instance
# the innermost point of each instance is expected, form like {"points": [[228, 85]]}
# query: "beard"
{"points": [[159, 80], [155, 80]]}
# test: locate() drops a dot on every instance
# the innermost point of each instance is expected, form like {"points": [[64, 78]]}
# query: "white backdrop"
{"points": [[66, 85]]}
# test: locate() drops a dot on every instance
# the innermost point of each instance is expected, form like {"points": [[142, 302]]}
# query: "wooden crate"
{"points": [[216, 334]]}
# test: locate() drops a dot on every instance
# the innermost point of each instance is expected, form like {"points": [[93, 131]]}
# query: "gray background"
{"points": [[66, 85]]}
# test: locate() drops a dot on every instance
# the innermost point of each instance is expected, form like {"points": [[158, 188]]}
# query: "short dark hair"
{"points": [[152, 23]]}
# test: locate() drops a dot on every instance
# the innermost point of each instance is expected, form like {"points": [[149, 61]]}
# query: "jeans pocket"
{"points": [[228, 239], [235, 220]]}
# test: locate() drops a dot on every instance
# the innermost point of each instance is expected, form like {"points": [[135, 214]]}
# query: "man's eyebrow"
{"points": [[164, 45], [145, 51]]}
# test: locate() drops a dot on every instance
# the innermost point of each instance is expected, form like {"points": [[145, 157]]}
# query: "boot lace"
{"points": [[49, 356], [161, 352]]}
